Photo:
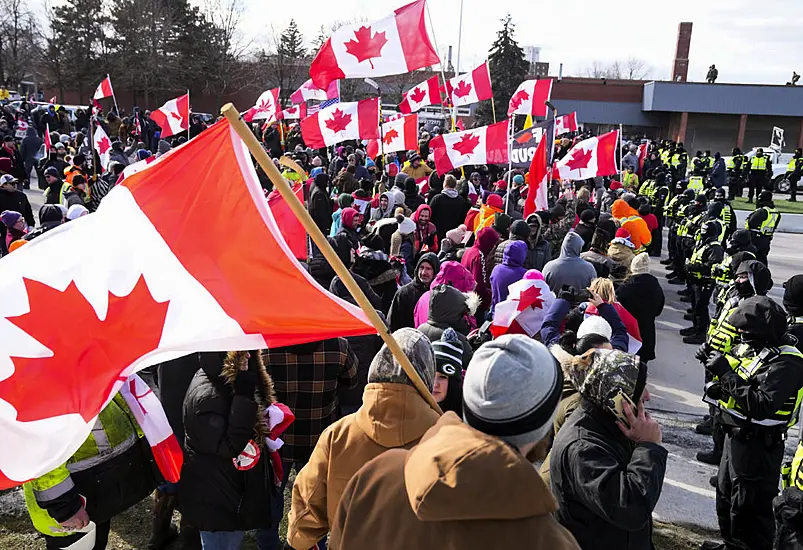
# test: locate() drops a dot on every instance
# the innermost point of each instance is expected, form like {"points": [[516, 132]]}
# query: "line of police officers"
{"points": [[749, 349]]}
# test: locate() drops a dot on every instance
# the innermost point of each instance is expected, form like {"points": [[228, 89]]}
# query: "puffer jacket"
{"points": [[629, 219]]}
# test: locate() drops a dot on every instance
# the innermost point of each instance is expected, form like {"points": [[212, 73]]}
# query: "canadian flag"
{"points": [[48, 143], [308, 91], [342, 121], [525, 309], [566, 123], [421, 95], [401, 134], [174, 116], [103, 146], [295, 112], [486, 145], [591, 158], [470, 87], [529, 98], [147, 282], [291, 227], [266, 108], [396, 44], [104, 89], [52, 100], [537, 196]]}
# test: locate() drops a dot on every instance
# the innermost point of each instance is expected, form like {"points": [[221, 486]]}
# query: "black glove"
{"points": [[702, 354], [245, 384], [718, 365], [567, 293], [714, 391]]}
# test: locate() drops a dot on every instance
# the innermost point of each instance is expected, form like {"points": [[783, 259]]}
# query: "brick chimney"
{"points": [[680, 69]]}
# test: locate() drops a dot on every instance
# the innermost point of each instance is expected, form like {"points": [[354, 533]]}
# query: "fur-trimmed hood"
{"points": [[565, 359], [265, 395]]}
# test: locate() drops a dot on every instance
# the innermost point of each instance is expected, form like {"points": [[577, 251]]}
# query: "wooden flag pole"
{"points": [[281, 185], [116, 109]]}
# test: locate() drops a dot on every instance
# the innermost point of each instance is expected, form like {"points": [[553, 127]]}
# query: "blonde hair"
{"points": [[604, 287], [584, 194]]}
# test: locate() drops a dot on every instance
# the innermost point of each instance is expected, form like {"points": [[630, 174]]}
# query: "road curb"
{"points": [[790, 223]]}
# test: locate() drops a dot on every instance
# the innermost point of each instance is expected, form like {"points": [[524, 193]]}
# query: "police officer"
{"points": [[699, 165], [762, 224], [757, 390], [793, 303], [109, 473], [679, 162], [706, 255], [738, 249], [760, 173], [735, 168], [752, 278], [794, 171], [721, 210], [673, 216], [687, 237]]}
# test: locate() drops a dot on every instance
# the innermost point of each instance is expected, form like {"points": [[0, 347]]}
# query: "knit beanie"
{"points": [[640, 264], [448, 353], [416, 346], [344, 200], [512, 389], [457, 234], [520, 229], [594, 324]]}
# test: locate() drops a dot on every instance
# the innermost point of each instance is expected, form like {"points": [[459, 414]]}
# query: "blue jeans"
{"points": [[221, 540]]}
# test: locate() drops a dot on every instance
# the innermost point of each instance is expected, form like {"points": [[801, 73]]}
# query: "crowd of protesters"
{"points": [[367, 463]]}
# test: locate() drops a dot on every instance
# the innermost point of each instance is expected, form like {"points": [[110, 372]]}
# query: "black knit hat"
{"points": [[520, 230], [448, 354]]}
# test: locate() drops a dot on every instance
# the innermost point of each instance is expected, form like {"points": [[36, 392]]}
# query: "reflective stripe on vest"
{"points": [[796, 475], [769, 225], [722, 336], [696, 183], [746, 365], [758, 163]]}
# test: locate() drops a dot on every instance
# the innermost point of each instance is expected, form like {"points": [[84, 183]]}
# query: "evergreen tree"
{"points": [[291, 43], [508, 69], [319, 40]]}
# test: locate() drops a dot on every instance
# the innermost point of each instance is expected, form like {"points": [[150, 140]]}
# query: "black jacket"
{"points": [[173, 379], [586, 232], [18, 202], [643, 297], [448, 309], [402, 308], [448, 212], [219, 423], [320, 208], [606, 485]]}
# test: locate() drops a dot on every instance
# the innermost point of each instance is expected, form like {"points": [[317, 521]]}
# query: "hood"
{"points": [[31, 132], [391, 204], [515, 254], [163, 147], [758, 274], [347, 217], [572, 245], [447, 308], [432, 259], [793, 295], [394, 415], [454, 274], [762, 318], [599, 373], [421, 209], [487, 237], [621, 209], [449, 476]]}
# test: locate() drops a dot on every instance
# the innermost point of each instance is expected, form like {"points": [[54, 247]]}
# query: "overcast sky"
{"points": [[747, 45]]}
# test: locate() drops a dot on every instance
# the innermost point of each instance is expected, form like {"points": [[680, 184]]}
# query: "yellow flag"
{"points": [[528, 122]]}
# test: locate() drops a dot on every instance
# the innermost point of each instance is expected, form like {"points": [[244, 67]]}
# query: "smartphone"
{"points": [[615, 405]]}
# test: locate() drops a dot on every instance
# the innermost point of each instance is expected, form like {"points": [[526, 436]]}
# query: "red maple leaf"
{"points": [[530, 297], [175, 115], [417, 95], [366, 46], [264, 106], [467, 144], [579, 159], [524, 138], [462, 89], [518, 98], [339, 121], [88, 353], [291, 110], [103, 145], [390, 135]]}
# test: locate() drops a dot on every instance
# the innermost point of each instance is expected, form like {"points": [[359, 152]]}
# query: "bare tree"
{"points": [[637, 69], [20, 41], [631, 69]]}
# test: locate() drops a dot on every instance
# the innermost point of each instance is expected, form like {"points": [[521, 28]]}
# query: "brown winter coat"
{"points": [[391, 416], [458, 489]]}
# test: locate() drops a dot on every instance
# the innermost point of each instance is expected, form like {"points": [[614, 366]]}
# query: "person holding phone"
{"points": [[607, 462]]}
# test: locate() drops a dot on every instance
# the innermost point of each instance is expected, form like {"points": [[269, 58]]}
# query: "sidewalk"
{"points": [[790, 223]]}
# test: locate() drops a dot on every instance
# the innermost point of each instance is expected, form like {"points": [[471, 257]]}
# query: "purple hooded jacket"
{"points": [[511, 270]]}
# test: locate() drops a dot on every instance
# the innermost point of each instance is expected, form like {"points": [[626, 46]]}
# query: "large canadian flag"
{"points": [[104, 89], [397, 44], [566, 123], [529, 98], [308, 91], [426, 93], [470, 87], [103, 146], [174, 116], [342, 121], [537, 195], [525, 309], [144, 280], [486, 145], [266, 107], [590, 158], [401, 134]]}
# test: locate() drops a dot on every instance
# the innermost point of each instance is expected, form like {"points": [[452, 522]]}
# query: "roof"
{"points": [[733, 99], [607, 112]]}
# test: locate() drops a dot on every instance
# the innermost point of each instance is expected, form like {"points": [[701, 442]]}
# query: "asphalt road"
{"points": [[676, 383]]}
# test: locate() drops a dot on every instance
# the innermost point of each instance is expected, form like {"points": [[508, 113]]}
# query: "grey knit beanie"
{"points": [[416, 346], [512, 389]]}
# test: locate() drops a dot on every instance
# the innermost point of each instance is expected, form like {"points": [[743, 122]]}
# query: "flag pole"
{"points": [[621, 145], [281, 185], [493, 105], [92, 146], [443, 71], [510, 131], [117, 110], [189, 114]]}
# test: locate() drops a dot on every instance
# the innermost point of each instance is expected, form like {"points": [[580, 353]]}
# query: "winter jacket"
{"points": [[392, 416], [629, 219], [643, 296], [448, 211], [451, 273], [476, 260], [586, 231], [449, 308], [569, 268], [402, 307], [425, 239], [537, 255], [511, 270], [320, 208], [621, 252], [173, 379], [30, 146], [375, 268], [606, 486], [219, 423], [437, 496], [16, 201], [604, 265]]}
